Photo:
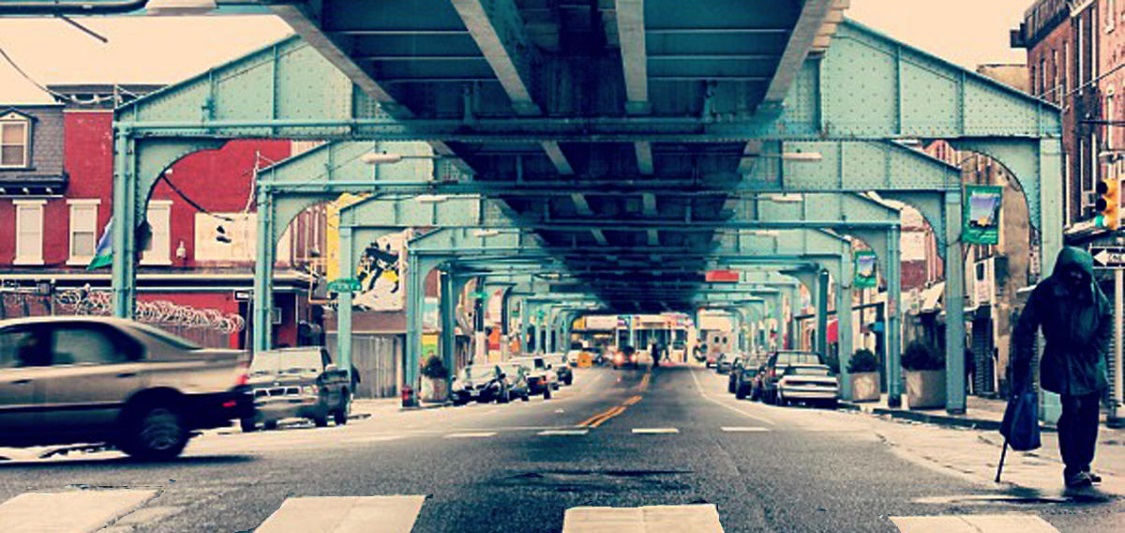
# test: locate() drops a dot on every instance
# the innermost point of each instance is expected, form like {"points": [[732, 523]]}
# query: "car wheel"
{"points": [[730, 386], [569, 381], [526, 397], [340, 416], [156, 434], [248, 425], [504, 397], [740, 393], [321, 421], [270, 426], [547, 393]]}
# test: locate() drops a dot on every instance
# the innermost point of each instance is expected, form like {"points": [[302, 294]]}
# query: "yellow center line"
{"points": [[596, 417], [612, 413]]}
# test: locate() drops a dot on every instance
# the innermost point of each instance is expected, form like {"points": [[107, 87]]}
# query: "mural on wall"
{"points": [[381, 273]]}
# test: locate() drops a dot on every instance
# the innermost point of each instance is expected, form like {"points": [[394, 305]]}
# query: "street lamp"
{"points": [[431, 198], [384, 158]]}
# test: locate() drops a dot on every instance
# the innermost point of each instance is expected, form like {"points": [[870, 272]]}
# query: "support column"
{"points": [[415, 300], [344, 302], [541, 329], [794, 296], [1050, 239], [893, 323], [124, 224], [262, 324], [954, 306], [447, 310], [505, 330], [632, 331], [525, 340], [822, 312], [1114, 418], [844, 334]]}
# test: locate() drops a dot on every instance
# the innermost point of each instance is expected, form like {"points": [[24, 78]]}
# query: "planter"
{"points": [[925, 389], [865, 386], [434, 390]]}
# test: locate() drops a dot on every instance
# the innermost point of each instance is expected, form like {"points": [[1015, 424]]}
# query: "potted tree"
{"points": [[863, 371], [925, 376], [435, 380]]}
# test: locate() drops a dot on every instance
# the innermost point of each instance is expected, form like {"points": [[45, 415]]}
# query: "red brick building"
{"points": [[194, 277]]}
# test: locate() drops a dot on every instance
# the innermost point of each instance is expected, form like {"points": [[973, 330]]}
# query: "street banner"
{"points": [[981, 214], [865, 277]]}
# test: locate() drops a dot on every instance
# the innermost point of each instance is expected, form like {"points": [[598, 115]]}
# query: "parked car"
{"points": [[514, 377], [775, 369], [540, 378], [735, 366], [66, 380], [561, 365], [743, 377], [480, 383], [723, 362], [808, 383], [297, 383]]}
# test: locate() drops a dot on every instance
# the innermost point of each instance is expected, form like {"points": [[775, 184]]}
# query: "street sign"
{"points": [[344, 285], [1108, 257]]}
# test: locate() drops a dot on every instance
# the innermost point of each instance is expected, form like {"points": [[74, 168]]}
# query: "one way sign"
{"points": [[1108, 257]]}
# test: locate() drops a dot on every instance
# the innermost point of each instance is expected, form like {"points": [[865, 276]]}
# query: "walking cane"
{"points": [[1003, 453]]}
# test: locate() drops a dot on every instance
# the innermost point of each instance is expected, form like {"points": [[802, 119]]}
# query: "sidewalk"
{"points": [[981, 413], [954, 449], [373, 407]]}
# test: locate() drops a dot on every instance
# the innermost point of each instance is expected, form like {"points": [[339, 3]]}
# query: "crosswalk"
{"points": [[76, 511]]}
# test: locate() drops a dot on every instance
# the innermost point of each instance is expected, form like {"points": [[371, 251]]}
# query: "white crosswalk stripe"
{"points": [[744, 429], [471, 435], [655, 431], [663, 518], [68, 512], [973, 524], [563, 432], [337, 514]]}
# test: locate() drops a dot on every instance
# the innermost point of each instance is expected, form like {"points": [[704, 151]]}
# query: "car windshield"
{"points": [[478, 372], [809, 371], [530, 362], [165, 337], [555, 360], [286, 362], [790, 358]]}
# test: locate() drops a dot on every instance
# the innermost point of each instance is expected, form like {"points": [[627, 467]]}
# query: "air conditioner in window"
{"points": [[1089, 198]]}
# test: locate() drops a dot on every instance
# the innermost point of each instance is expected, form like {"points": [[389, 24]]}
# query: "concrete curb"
{"points": [[423, 407], [933, 418]]}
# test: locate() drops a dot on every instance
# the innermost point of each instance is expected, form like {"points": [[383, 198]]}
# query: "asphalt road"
{"points": [[664, 438]]}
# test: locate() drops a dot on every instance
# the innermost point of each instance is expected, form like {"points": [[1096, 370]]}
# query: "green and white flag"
{"points": [[103, 254]]}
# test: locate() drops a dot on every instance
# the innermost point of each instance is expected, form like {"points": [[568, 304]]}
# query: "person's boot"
{"points": [[1094, 478], [1078, 480]]}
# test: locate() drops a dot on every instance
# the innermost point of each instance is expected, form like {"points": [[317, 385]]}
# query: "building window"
{"points": [[1110, 116], [1065, 81], [83, 230], [29, 232], [158, 251], [15, 135], [1110, 19]]}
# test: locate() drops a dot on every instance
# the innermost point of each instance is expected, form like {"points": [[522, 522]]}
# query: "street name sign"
{"points": [[1108, 257], [344, 285]]}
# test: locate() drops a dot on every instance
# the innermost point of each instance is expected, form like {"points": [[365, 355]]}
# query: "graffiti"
{"points": [[159, 312], [380, 272]]}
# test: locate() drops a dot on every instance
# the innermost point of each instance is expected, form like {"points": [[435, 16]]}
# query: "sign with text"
{"points": [[1108, 257], [981, 214], [722, 276], [865, 272]]}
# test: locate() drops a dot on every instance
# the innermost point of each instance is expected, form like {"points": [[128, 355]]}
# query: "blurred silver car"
{"points": [[67, 380]]}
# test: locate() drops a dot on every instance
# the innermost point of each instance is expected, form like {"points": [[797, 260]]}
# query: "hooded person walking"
{"points": [[1076, 319]]}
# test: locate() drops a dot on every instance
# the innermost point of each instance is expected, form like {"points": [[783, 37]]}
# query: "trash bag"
{"points": [[1020, 426]]}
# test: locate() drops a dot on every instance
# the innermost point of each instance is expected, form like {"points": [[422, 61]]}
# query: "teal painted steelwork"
{"points": [[902, 93]]}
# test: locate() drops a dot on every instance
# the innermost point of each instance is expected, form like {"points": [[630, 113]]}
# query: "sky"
{"points": [[966, 32], [163, 50]]}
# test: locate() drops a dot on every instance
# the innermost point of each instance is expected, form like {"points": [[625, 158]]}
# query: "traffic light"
{"points": [[1109, 203]]}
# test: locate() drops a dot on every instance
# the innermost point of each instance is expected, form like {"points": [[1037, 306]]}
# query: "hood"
{"points": [[1071, 258]]}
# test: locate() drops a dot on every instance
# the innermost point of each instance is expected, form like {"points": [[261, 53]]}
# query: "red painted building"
{"points": [[195, 276]]}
